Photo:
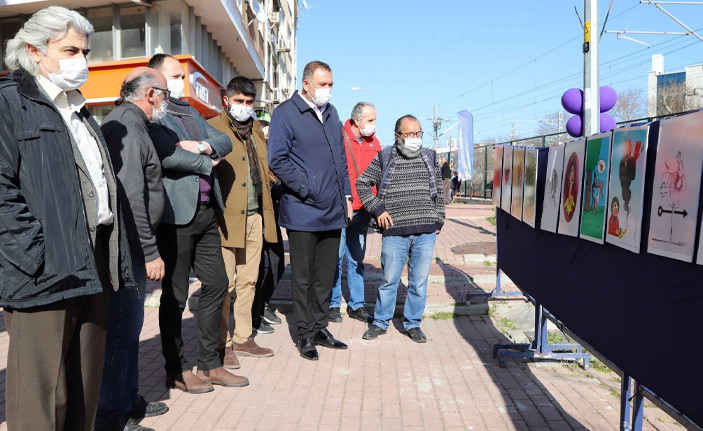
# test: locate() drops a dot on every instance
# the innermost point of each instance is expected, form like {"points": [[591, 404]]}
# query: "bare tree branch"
{"points": [[630, 106]]}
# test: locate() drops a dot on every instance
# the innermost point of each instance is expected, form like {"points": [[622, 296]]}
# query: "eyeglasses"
{"points": [[167, 93], [412, 135], [249, 102]]}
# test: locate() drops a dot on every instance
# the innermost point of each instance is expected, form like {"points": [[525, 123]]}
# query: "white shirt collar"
{"points": [[72, 100]]}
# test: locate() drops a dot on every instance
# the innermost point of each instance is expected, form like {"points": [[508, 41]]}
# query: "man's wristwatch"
{"points": [[202, 147]]}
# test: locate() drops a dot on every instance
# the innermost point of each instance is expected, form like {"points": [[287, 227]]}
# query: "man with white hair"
{"points": [[62, 246]]}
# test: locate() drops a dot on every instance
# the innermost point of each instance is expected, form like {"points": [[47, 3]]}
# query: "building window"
{"points": [[176, 34], [101, 42], [99, 112], [132, 32]]}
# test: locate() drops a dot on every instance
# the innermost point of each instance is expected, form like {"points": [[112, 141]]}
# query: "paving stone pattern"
{"points": [[449, 383]]}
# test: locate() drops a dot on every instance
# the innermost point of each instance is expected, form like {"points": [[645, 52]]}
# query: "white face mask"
{"points": [[368, 130], [159, 114], [412, 144], [322, 96], [241, 113], [73, 74], [176, 87]]}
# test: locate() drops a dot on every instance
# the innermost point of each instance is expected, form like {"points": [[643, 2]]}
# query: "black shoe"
{"points": [[335, 315], [416, 335], [359, 314], [373, 332], [147, 410], [270, 316], [264, 328], [325, 339], [130, 425], [307, 349]]}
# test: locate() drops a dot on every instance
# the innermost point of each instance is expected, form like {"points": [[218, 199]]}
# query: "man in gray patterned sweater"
{"points": [[411, 212]]}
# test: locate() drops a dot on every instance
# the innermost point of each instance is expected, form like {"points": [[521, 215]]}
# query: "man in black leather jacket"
{"points": [[62, 246]]}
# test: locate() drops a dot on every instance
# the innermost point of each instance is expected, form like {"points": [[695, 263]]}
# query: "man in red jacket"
{"points": [[361, 145]]}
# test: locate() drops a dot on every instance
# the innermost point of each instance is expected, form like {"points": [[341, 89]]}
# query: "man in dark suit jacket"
{"points": [[306, 153], [189, 149]]}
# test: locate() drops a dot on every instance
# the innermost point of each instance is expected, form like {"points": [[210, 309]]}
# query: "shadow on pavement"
{"points": [[527, 402], [152, 375], [473, 226]]}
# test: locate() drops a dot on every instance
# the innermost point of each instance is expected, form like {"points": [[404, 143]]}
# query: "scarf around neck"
{"points": [[244, 130], [400, 148]]}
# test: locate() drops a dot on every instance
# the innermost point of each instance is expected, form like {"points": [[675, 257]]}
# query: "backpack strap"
{"points": [[351, 151]]}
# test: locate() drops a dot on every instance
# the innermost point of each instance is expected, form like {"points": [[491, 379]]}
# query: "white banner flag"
{"points": [[465, 147]]}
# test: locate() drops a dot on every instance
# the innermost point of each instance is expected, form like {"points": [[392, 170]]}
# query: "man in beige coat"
{"points": [[244, 180]]}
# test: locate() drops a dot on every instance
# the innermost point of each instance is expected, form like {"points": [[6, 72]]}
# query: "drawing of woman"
{"points": [[570, 188]]}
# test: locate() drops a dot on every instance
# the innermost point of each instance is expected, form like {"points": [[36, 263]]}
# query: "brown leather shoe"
{"points": [[188, 382], [250, 348], [230, 360], [220, 376]]}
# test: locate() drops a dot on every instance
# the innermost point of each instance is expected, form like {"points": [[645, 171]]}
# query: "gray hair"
{"points": [[48, 24], [358, 110], [135, 88]]}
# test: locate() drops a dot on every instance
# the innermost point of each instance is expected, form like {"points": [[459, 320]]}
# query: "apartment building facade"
{"points": [[215, 40]]}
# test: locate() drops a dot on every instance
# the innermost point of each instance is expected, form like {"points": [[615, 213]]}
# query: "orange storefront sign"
{"points": [[202, 91]]}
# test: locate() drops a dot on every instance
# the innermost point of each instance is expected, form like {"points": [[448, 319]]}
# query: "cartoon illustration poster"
{"points": [[529, 199], [518, 182], [507, 179], [552, 189], [570, 203], [626, 187], [595, 187], [497, 173], [677, 181]]}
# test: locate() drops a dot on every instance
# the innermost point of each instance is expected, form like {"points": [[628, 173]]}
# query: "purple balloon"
{"points": [[606, 122], [574, 126], [572, 101], [608, 98]]}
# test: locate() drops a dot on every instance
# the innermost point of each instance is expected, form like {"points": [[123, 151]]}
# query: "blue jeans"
{"points": [[352, 244], [395, 251], [119, 391]]}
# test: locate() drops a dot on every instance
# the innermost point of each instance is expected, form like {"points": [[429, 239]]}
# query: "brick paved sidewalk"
{"points": [[451, 382]]}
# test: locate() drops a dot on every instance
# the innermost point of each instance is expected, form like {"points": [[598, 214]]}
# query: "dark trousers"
{"points": [[55, 359], [271, 270], [119, 391], [195, 245], [313, 260]]}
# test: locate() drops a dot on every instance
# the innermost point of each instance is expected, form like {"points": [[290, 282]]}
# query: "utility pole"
{"points": [[591, 86], [437, 124]]}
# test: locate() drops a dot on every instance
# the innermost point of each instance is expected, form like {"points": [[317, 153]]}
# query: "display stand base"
{"points": [[540, 348]]}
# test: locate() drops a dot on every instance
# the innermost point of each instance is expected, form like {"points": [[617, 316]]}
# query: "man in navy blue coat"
{"points": [[306, 152]]}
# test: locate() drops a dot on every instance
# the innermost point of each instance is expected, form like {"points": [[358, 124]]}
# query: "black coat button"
{"points": [[244, 184], [91, 194], [242, 211], [244, 158]]}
